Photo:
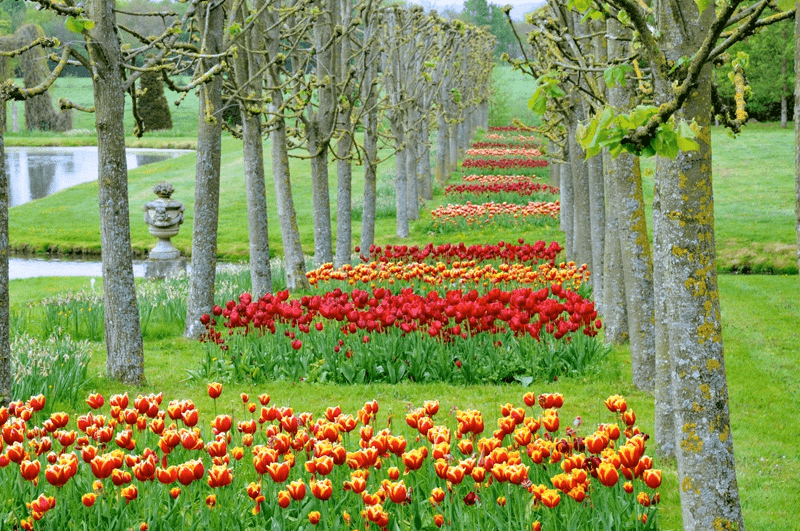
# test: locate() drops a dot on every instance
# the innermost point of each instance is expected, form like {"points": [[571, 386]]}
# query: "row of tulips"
{"points": [[503, 152], [138, 464], [360, 336], [500, 179], [505, 252], [520, 188], [521, 142], [494, 165], [455, 216], [394, 275]]}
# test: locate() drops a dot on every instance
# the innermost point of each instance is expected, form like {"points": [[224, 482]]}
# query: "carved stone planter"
{"points": [[164, 217]]}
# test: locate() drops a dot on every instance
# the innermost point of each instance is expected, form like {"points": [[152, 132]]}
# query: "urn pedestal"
{"points": [[164, 217]]}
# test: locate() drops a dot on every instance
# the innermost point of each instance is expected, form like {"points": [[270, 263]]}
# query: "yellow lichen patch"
{"points": [[697, 407], [692, 442], [705, 332], [706, 390], [712, 365], [686, 485], [723, 524], [725, 433]]}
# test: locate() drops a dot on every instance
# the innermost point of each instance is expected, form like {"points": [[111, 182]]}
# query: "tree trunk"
{"points": [[615, 315], [442, 150], [123, 334], [294, 262], [344, 171], [582, 221], [400, 188], [706, 468], [454, 157], [207, 178], [411, 154], [246, 67], [344, 199], [665, 405], [370, 122], [320, 198], [566, 197], [370, 182], [6, 378], [627, 202], [424, 162], [597, 222]]}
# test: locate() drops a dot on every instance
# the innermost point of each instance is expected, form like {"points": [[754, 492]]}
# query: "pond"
{"points": [[36, 172]]}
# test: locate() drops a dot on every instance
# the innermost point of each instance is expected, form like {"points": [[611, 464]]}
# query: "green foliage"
{"points": [[608, 130], [546, 87], [615, 75], [78, 24]]}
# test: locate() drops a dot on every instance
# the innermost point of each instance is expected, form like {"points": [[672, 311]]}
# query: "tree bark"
{"points": [[370, 122], [245, 68], [400, 190], [6, 378], [566, 197], [706, 468], [627, 203], [344, 170], [424, 162], [320, 197], [123, 334], [615, 315], [411, 154], [293, 258], [207, 178], [442, 149], [581, 220]]}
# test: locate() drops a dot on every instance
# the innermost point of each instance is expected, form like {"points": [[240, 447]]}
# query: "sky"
{"points": [[517, 13]]}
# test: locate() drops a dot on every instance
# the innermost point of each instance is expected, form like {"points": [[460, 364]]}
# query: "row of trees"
{"points": [[622, 79], [313, 75]]}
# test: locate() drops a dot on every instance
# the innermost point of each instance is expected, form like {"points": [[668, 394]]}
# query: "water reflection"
{"points": [[36, 172]]}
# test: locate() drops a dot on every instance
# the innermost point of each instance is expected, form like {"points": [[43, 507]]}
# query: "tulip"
{"points": [[214, 390], [652, 478], [314, 517], [398, 492], [284, 499], [322, 490], [129, 493], [219, 476], [30, 470], [297, 490], [607, 474], [88, 499]]}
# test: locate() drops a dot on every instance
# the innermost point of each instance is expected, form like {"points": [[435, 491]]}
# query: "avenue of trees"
{"points": [[620, 80], [310, 74]]}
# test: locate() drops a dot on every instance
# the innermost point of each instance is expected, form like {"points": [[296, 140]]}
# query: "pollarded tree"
{"points": [[248, 76]]}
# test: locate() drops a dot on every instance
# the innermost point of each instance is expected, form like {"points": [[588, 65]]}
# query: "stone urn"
{"points": [[164, 217]]}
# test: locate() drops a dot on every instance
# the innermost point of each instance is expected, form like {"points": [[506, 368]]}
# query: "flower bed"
{"points": [[502, 251], [357, 337], [510, 192], [136, 464], [454, 217]]}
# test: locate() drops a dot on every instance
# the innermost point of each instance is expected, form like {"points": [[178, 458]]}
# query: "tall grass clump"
{"points": [[56, 366]]}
